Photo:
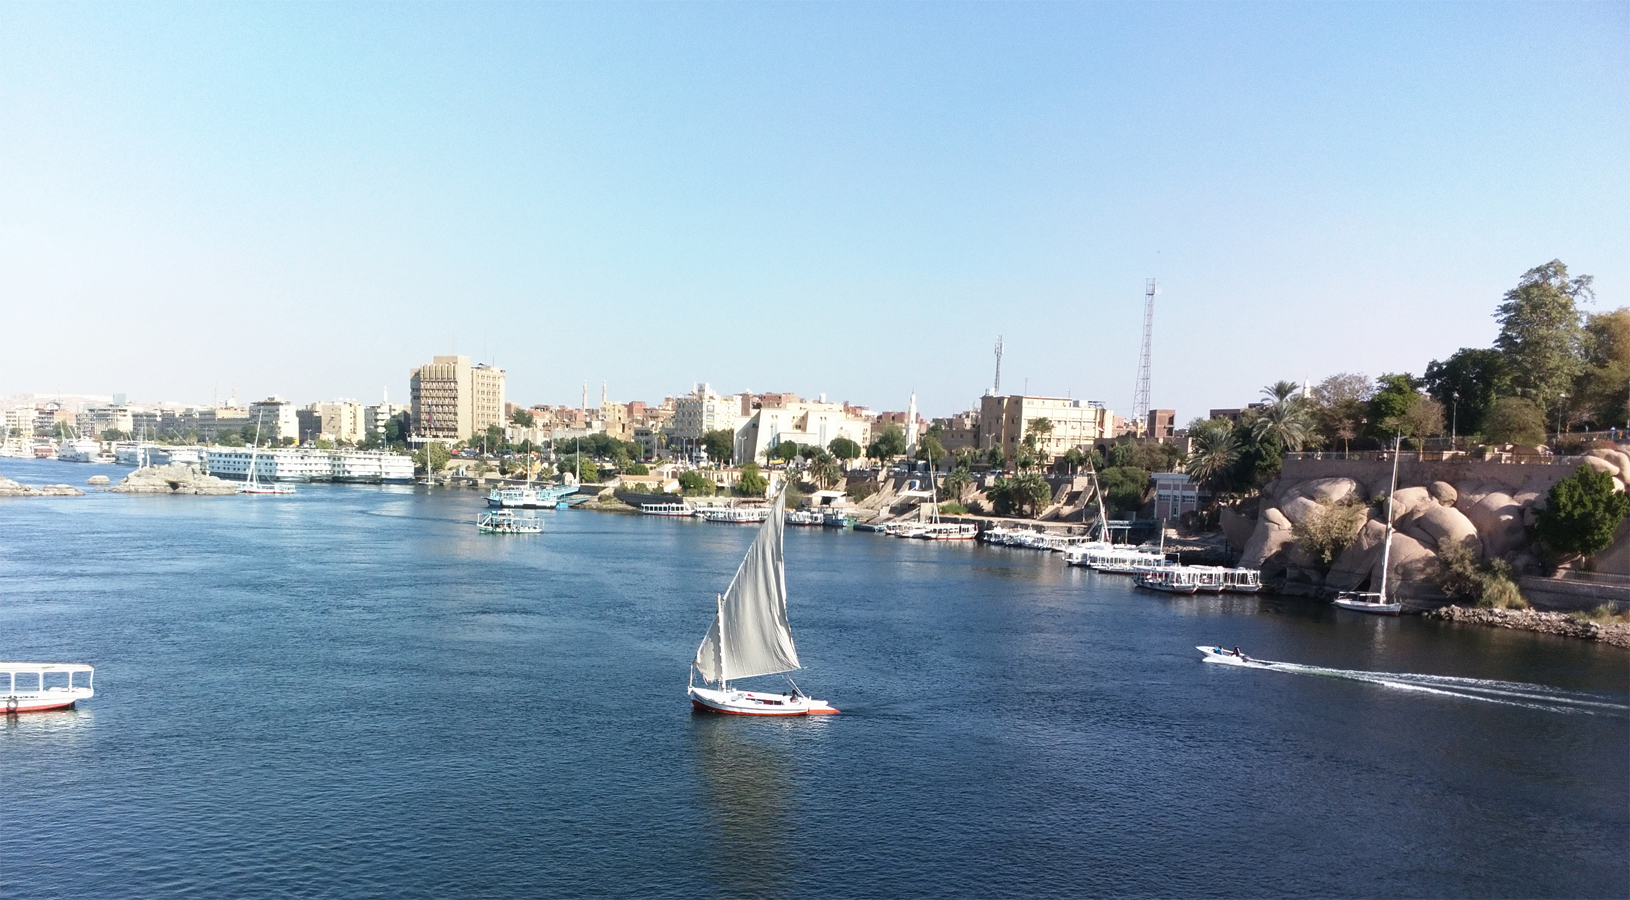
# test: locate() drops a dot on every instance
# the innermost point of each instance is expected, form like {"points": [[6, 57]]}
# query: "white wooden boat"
{"points": [[37, 687], [529, 497], [1241, 580], [949, 531], [683, 510], [1170, 579], [251, 482], [1376, 603], [734, 515], [751, 637], [804, 517], [505, 522]]}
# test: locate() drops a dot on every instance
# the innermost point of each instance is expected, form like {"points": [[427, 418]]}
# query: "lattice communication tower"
{"points": [[1140, 397], [996, 389]]}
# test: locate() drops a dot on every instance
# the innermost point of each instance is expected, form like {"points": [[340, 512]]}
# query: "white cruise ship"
{"points": [[307, 465]]}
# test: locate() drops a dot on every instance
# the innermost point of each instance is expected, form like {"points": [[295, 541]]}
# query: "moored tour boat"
{"points": [[751, 636], [37, 687], [505, 522]]}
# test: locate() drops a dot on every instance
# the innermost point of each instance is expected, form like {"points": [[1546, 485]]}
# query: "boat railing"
{"points": [[28, 680]]}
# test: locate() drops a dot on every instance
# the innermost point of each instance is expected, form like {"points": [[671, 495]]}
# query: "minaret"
{"points": [[911, 425]]}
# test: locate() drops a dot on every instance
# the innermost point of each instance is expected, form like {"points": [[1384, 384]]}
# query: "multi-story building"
{"points": [[275, 418], [216, 421], [701, 411], [455, 401], [785, 417], [1162, 424], [1005, 421], [341, 421], [375, 418], [1175, 495]]}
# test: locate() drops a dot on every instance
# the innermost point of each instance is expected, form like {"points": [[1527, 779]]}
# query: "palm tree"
{"points": [[1281, 391], [1213, 456], [1286, 421]]}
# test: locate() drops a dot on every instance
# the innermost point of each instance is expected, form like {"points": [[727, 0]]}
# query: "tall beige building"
{"points": [[453, 400], [1004, 422]]}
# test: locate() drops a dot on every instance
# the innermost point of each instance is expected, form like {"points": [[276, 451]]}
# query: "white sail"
{"points": [[750, 635]]}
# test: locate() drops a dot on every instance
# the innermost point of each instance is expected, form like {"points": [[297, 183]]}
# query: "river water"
{"points": [[351, 693]]}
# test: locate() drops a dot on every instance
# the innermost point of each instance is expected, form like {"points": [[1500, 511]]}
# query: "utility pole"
{"points": [[1140, 394]]}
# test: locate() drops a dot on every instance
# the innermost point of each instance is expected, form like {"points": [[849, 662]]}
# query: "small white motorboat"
{"points": [[37, 687], [1230, 658], [505, 522]]}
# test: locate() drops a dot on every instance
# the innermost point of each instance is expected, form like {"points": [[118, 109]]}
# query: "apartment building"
{"points": [[453, 400], [1005, 421]]}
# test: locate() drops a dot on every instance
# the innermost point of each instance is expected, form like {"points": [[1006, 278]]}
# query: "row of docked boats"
{"points": [[529, 497], [748, 515]]}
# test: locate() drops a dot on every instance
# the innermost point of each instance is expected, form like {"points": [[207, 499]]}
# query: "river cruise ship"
{"points": [[37, 687], [682, 510], [301, 465], [734, 515]]}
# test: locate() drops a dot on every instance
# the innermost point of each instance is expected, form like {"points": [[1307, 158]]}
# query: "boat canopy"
{"points": [[750, 634]]}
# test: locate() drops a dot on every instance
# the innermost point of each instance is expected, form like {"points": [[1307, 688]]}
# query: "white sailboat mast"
{"points": [[1386, 547]]}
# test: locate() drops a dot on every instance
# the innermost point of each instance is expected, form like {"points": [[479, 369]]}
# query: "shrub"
{"points": [[1581, 513], [953, 509], [1331, 528], [751, 484], [861, 490], [695, 484], [1488, 584]]}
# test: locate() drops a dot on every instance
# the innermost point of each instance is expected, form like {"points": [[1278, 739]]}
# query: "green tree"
{"points": [[961, 478], [719, 444], [1540, 332], [889, 443], [230, 439], [929, 448], [637, 469], [695, 484], [435, 455], [825, 470], [1041, 428], [63, 431], [786, 451], [1124, 488], [996, 458], [1340, 404], [494, 439], [287, 440], [1395, 394], [113, 434], [1602, 393], [844, 449], [751, 484], [522, 418], [324, 444], [1286, 420], [1213, 458], [1581, 513], [1467, 384], [1514, 420], [1024, 494]]}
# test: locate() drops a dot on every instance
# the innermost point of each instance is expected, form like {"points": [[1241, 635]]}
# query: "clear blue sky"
{"points": [[849, 199]]}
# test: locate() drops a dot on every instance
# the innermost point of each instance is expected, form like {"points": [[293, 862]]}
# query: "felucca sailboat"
{"points": [[750, 635], [1376, 603]]}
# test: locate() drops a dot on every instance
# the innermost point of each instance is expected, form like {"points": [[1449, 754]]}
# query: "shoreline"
{"points": [[1561, 624]]}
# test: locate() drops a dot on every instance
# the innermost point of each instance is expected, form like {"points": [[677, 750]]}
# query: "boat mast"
{"points": [[1386, 547], [718, 650]]}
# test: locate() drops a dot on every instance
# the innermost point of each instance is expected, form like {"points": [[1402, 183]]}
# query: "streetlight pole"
{"points": [[1454, 418]]}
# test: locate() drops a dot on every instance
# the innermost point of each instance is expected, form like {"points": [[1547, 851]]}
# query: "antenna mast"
{"points": [[996, 389], [1140, 397]]}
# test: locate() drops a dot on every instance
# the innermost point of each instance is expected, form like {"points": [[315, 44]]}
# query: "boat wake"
{"points": [[1505, 693]]}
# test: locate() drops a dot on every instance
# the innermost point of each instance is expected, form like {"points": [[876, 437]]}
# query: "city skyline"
{"points": [[309, 201]]}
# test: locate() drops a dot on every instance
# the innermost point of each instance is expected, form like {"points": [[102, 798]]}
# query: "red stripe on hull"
{"points": [[30, 709]]}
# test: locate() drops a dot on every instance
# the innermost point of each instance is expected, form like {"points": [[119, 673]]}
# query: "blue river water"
{"points": [[351, 693]]}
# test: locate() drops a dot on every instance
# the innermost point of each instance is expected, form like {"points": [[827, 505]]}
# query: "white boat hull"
{"points": [[755, 703], [1365, 606], [1227, 658], [42, 701]]}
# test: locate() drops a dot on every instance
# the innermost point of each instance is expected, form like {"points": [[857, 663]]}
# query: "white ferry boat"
{"points": [[1170, 579], [36, 687], [683, 510], [948, 531], [83, 450], [529, 497], [505, 522], [734, 515]]}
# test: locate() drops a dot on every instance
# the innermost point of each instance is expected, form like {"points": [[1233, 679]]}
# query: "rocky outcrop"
{"points": [[97, 480], [175, 478], [1485, 508], [9, 488], [1533, 620]]}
